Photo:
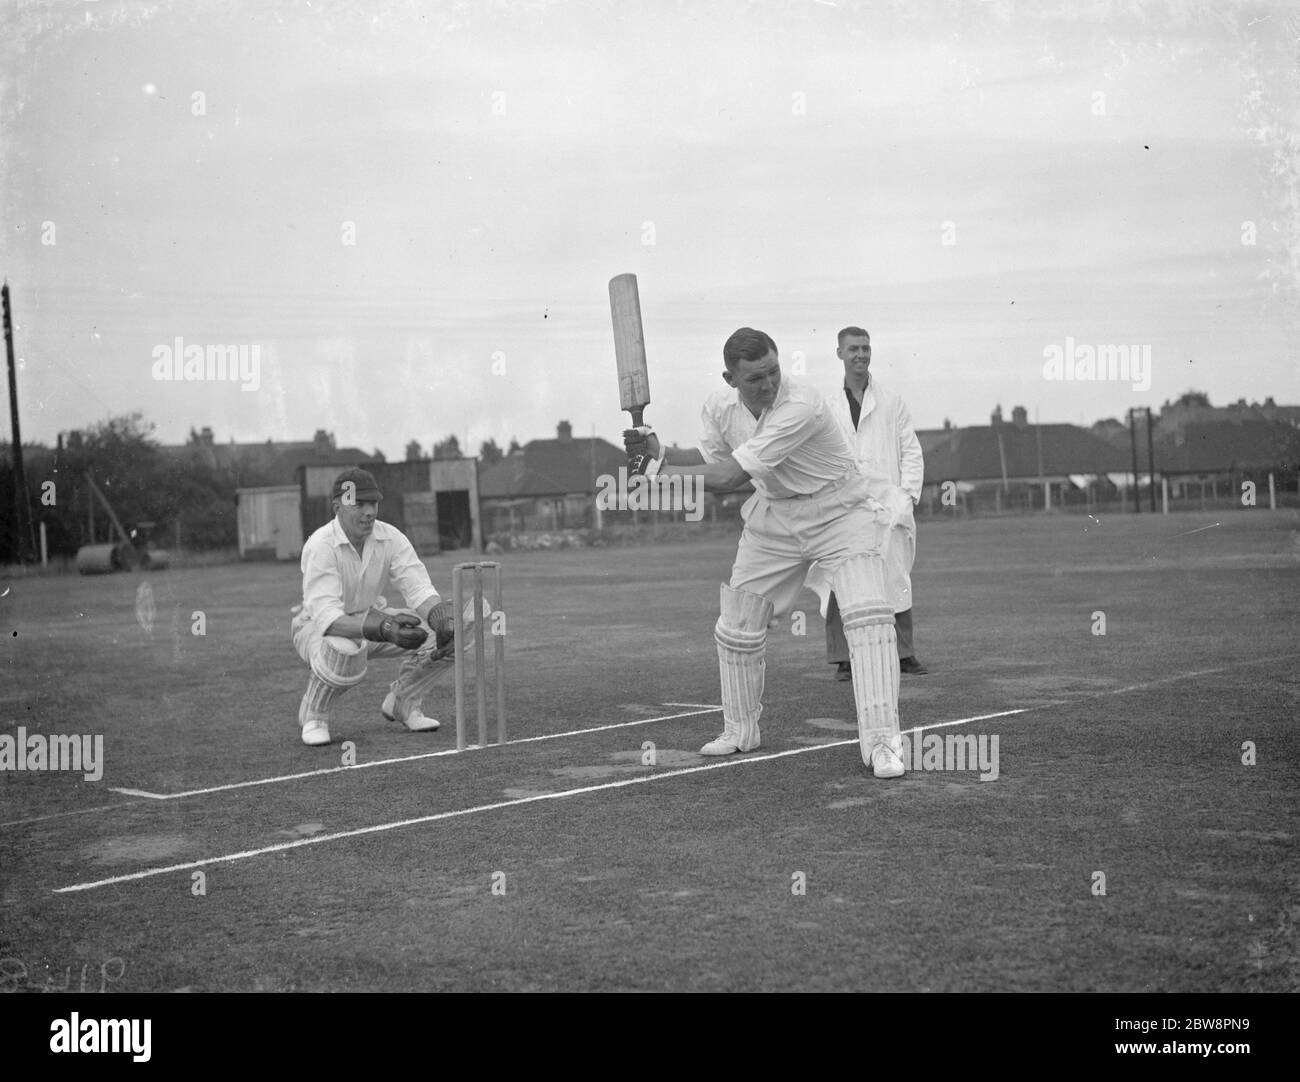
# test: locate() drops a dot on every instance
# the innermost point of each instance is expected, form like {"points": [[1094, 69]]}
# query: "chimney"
{"points": [[205, 436], [1020, 417], [564, 432], [947, 425], [323, 442], [996, 418]]}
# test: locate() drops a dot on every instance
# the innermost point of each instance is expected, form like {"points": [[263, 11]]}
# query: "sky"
{"points": [[409, 212]]}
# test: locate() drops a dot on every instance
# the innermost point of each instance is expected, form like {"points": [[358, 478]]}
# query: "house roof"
{"points": [[551, 468], [1220, 446], [971, 454]]}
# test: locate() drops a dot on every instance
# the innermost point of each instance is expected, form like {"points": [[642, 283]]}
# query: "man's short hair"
{"points": [[851, 332], [746, 344]]}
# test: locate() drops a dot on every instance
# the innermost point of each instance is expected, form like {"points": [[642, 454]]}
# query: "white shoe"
{"points": [[726, 744], [886, 762], [315, 733], [413, 717]]}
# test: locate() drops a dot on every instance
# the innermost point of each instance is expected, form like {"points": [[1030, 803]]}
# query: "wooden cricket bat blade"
{"points": [[629, 345]]}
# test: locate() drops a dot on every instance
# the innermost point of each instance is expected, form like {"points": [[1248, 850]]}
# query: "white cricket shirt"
{"points": [[336, 581], [795, 447]]}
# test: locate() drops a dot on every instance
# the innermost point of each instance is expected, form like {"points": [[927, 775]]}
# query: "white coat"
{"points": [[889, 454]]}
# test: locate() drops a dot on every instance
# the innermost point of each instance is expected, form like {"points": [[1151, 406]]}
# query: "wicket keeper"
{"points": [[344, 620], [810, 520]]}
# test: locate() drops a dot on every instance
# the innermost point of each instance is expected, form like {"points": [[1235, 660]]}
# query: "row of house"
{"points": [[549, 484]]}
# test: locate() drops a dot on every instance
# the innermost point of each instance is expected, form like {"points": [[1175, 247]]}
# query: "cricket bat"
{"points": [[629, 347]]}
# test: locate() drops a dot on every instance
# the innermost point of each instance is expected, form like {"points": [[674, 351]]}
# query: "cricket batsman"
{"points": [[810, 519], [344, 620]]}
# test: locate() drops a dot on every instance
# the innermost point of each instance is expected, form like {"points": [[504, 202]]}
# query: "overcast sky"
{"points": [[413, 209]]}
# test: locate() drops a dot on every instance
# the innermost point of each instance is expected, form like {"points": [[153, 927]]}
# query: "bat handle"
{"points": [[637, 417]]}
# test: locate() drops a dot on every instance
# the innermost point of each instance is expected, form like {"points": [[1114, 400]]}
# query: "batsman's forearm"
{"points": [[724, 476], [688, 456], [347, 627]]}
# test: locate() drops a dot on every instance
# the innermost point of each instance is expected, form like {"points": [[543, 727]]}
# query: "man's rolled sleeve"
{"points": [[713, 446], [782, 434], [322, 590], [409, 575]]}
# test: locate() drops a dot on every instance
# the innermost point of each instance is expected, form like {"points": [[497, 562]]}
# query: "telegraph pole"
{"points": [[24, 541], [1133, 441], [1151, 460]]}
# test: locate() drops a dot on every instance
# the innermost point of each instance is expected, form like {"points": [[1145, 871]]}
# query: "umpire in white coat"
{"points": [[889, 454]]}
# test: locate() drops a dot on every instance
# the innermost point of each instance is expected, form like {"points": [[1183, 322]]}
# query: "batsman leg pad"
{"points": [[741, 635], [869, 628]]}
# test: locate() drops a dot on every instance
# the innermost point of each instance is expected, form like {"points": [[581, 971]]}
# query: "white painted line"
{"points": [[320, 839], [412, 758], [703, 708], [967, 721], [78, 811]]}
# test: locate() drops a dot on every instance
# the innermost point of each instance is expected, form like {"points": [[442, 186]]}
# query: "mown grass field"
{"points": [[570, 864]]}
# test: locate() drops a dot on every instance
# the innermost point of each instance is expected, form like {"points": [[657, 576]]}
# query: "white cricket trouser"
{"points": [[790, 543]]}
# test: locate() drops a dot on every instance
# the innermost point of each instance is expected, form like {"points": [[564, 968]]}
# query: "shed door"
{"points": [[287, 527]]}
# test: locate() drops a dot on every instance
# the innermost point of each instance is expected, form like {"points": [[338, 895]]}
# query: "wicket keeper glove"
{"points": [[442, 620], [401, 629]]}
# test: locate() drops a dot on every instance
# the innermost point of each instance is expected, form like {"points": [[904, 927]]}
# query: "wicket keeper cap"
{"points": [[364, 487]]}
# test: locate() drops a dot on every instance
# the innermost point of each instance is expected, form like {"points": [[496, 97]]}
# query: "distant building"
{"points": [[271, 462], [270, 512], [1018, 463], [1193, 409], [548, 484], [1222, 454]]}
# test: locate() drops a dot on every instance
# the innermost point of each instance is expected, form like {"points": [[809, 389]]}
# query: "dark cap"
{"points": [[356, 486]]}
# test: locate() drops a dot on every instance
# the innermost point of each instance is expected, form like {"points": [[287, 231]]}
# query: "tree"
{"points": [[490, 454], [447, 449], [414, 452], [1189, 398]]}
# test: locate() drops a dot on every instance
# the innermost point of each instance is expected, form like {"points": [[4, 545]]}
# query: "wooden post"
{"points": [[23, 533], [1272, 493], [1133, 441], [1164, 495], [1151, 460], [45, 552]]}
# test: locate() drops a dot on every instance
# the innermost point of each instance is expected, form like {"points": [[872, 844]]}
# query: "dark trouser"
{"points": [[837, 646]]}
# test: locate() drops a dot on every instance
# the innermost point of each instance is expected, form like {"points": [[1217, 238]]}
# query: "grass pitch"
{"points": [[620, 859]]}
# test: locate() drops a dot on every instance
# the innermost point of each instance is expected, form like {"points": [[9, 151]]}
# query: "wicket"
{"points": [[480, 659]]}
